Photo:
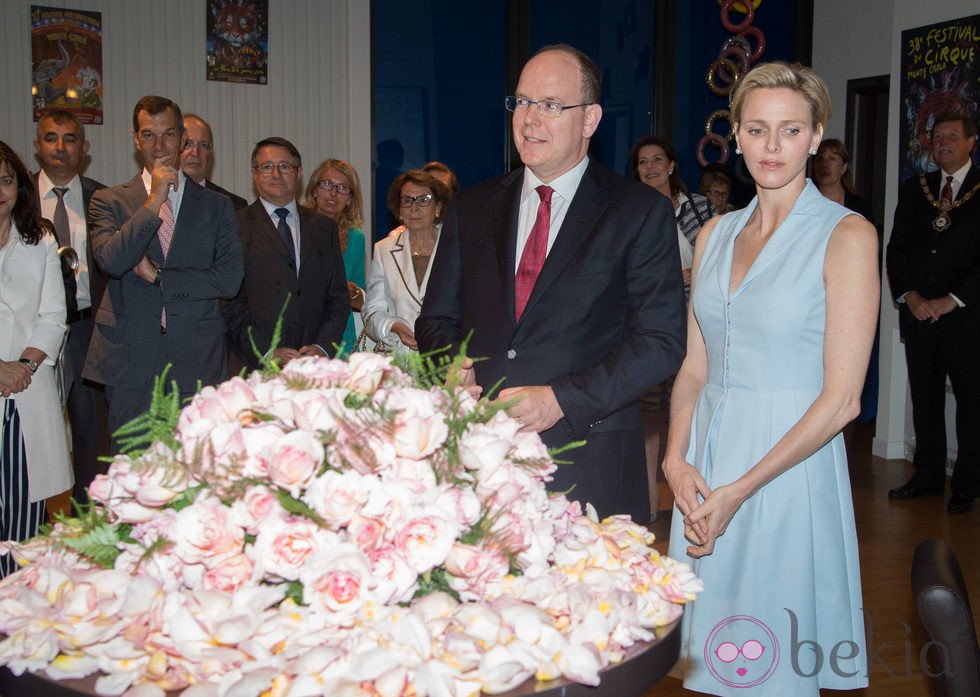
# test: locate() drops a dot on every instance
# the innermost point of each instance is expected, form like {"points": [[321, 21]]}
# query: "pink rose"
{"points": [[229, 575], [338, 496], [99, 489], [425, 542], [257, 504], [420, 427], [204, 532], [285, 544], [367, 371], [366, 533], [258, 438], [320, 372], [321, 409], [397, 581], [338, 583], [294, 459], [476, 571]]}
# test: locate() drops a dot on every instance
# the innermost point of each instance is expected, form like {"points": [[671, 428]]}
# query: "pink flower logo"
{"points": [[741, 651]]}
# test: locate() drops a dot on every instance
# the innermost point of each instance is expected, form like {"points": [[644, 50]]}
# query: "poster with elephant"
{"points": [[940, 72], [66, 62], [238, 41]]}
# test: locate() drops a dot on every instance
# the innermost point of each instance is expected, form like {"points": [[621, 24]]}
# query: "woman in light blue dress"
{"points": [[783, 313]]}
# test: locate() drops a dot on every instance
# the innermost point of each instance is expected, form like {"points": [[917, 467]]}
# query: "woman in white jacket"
{"points": [[34, 460], [402, 260]]}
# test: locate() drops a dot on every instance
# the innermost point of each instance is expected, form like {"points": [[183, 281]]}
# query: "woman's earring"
{"points": [[738, 150], [813, 152]]}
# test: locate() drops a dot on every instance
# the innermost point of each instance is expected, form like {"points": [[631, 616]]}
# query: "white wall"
{"points": [[317, 96], [844, 49]]}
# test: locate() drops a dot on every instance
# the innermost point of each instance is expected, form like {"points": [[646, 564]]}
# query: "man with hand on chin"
{"points": [[171, 250]]}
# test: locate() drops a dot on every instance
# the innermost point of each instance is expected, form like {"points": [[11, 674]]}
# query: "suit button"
{"points": [[934, 251], [299, 292], [511, 354]]}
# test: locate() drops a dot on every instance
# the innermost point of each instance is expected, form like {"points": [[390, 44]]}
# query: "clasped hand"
{"points": [[704, 520], [929, 309], [14, 377]]}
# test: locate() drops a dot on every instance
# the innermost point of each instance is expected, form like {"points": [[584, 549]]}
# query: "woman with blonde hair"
{"points": [[334, 189], [783, 311]]}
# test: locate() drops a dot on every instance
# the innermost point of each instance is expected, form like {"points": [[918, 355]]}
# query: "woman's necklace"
{"points": [[943, 221], [424, 250]]}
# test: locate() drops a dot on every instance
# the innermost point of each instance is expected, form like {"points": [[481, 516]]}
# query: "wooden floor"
{"points": [[888, 532]]}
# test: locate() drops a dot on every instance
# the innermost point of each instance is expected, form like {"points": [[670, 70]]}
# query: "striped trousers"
{"points": [[19, 518]]}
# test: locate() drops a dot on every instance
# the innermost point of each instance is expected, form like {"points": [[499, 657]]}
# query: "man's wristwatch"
{"points": [[30, 363]]}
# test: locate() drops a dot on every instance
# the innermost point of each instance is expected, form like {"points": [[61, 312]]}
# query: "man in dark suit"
{"points": [[197, 154], [568, 277], [63, 196], [289, 250], [933, 264], [171, 250]]}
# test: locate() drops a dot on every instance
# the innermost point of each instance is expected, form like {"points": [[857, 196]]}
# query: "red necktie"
{"points": [[165, 233], [946, 197], [535, 251]]}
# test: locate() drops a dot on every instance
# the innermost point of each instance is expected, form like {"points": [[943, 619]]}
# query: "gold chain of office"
{"points": [[943, 221]]}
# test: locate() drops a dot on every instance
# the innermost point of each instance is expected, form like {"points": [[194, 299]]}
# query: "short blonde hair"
{"points": [[796, 77]]}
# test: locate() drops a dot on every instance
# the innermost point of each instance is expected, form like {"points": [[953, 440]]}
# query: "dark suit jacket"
{"points": [[97, 277], [935, 264], [318, 303], [203, 265], [237, 201], [603, 325]]}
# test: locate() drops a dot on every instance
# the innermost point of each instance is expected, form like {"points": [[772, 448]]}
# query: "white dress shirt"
{"points": [[75, 206], [564, 187]]}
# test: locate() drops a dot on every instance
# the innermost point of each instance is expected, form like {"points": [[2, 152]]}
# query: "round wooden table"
{"points": [[646, 664]]}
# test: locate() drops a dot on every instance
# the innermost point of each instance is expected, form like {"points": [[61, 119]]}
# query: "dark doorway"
{"points": [[866, 136]]}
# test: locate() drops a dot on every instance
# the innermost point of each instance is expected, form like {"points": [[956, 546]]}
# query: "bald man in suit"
{"points": [[577, 336]]}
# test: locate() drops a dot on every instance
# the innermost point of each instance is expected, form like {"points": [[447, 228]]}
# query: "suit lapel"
{"points": [[260, 221], [307, 240], [401, 257], [971, 179], [501, 221]]}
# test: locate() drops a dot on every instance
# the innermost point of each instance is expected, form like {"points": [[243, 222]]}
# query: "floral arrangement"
{"points": [[334, 528]]}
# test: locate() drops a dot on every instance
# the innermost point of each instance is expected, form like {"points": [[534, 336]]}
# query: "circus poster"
{"points": [[66, 62], [238, 41], [940, 72]]}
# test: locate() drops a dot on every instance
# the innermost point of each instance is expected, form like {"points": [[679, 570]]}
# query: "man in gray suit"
{"points": [[171, 249], [289, 250], [63, 195]]}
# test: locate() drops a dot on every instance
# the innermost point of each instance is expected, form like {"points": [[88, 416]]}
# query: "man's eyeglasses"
{"points": [[266, 168], [552, 109], [204, 145], [423, 201], [328, 185]]}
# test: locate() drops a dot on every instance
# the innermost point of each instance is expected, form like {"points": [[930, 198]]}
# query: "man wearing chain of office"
{"points": [[933, 264]]}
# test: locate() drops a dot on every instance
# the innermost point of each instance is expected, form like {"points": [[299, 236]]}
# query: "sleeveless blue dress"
{"points": [[781, 611]]}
